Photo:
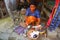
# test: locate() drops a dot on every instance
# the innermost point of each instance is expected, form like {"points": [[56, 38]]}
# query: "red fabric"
{"points": [[57, 3], [50, 19], [52, 13]]}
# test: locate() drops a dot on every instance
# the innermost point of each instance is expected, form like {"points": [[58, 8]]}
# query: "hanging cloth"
{"points": [[56, 20], [52, 13], [50, 18]]}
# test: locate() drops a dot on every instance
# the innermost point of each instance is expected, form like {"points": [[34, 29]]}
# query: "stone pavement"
{"points": [[7, 33]]}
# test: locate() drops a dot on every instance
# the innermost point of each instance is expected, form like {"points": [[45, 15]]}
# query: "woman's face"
{"points": [[32, 7]]}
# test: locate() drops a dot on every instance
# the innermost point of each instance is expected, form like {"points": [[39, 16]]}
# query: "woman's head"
{"points": [[32, 6]]}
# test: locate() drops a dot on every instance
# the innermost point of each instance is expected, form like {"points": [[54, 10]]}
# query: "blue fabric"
{"points": [[19, 30], [36, 13], [56, 20]]}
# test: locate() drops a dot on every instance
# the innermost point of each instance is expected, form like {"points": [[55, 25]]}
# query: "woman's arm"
{"points": [[38, 18], [38, 21]]}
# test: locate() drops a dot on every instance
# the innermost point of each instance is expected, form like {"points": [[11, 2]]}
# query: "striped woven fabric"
{"points": [[52, 13], [56, 20]]}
